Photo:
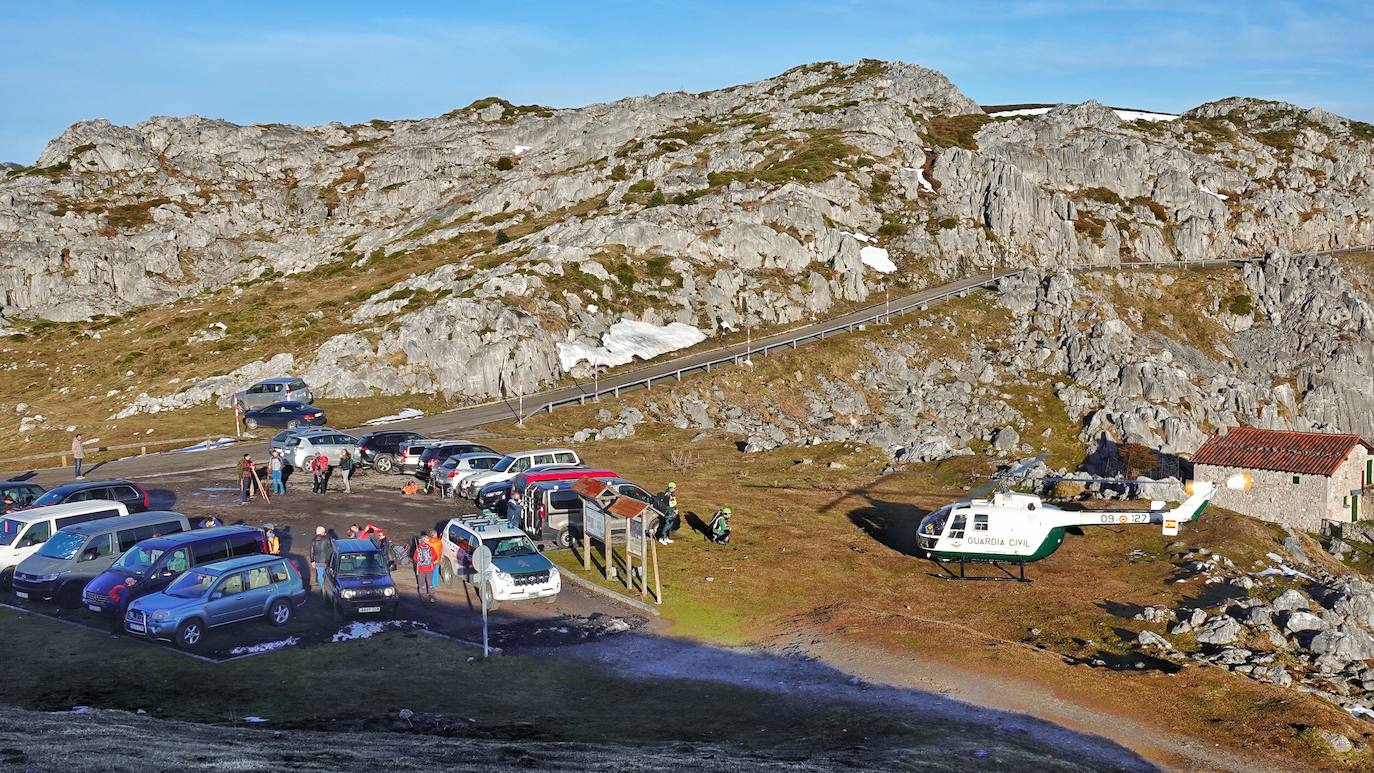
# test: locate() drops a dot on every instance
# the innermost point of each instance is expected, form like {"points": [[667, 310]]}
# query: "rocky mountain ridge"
{"points": [[760, 204]]}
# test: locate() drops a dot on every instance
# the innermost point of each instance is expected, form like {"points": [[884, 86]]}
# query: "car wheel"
{"points": [[7, 580], [384, 464], [279, 613], [565, 538], [292, 424], [69, 596], [250, 423], [446, 575], [189, 634]]}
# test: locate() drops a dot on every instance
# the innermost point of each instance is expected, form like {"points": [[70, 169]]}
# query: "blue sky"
{"points": [[305, 62]]}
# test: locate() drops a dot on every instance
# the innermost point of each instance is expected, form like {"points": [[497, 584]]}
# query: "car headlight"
{"points": [[162, 614], [44, 577], [348, 594], [501, 578], [553, 572], [389, 592]]}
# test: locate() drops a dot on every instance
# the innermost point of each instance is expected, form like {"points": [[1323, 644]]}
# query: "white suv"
{"points": [[519, 568], [513, 464]]}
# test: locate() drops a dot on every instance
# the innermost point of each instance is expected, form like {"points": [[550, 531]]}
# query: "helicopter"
{"points": [[1014, 529]]}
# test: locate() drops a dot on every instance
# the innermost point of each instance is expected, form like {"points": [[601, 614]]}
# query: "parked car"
{"points": [[282, 440], [411, 451], [434, 455], [289, 414], [515, 463], [24, 531], [132, 495], [453, 469], [358, 580], [493, 496], [23, 492], [153, 563], [520, 569], [273, 390], [382, 450], [215, 594], [302, 446], [75, 555]]}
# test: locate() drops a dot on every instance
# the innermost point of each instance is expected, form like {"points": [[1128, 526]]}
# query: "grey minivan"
{"points": [[273, 390], [76, 554]]}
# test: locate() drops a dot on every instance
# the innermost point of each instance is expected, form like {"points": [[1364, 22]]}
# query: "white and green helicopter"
{"points": [[1013, 529]]}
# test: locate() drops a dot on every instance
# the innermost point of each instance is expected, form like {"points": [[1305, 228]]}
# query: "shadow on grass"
{"points": [[891, 523]]}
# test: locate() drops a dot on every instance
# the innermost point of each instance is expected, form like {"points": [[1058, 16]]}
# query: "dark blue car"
{"points": [[358, 580], [285, 414]]}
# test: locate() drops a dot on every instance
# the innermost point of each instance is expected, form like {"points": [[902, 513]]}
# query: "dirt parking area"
{"points": [[573, 617]]}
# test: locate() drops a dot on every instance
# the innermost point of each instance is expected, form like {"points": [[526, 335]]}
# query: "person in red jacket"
{"points": [[426, 562]]}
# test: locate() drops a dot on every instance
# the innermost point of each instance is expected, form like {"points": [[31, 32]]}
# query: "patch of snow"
{"points": [[592, 308], [204, 446], [366, 629], [860, 237], [267, 646], [876, 258], [254, 720], [1219, 196], [518, 149], [628, 339], [1275, 557], [402, 415], [1284, 570], [1125, 115], [81, 709], [921, 178]]}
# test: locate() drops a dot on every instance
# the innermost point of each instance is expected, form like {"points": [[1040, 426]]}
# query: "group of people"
{"points": [[322, 546], [318, 466], [717, 531]]}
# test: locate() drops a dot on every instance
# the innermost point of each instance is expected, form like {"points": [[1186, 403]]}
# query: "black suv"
{"points": [[131, 494], [436, 454], [381, 450]]}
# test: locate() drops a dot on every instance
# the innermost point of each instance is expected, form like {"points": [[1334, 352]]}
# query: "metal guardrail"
{"points": [[959, 288], [142, 446]]}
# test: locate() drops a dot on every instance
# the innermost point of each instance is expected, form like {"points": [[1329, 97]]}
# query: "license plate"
{"points": [[369, 609], [135, 627], [93, 608], [21, 594]]}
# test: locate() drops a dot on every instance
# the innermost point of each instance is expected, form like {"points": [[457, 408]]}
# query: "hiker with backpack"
{"points": [[666, 503], [319, 468], [719, 530], [426, 563]]}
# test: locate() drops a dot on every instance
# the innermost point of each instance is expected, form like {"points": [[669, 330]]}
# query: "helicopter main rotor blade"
{"points": [[1005, 476]]}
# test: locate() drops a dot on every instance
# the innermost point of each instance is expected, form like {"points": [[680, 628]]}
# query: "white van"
{"points": [[513, 464], [23, 531]]}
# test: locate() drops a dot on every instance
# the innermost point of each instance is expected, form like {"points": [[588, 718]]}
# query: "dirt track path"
{"points": [[827, 670]]}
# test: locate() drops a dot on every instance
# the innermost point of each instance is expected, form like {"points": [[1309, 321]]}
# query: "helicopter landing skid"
{"points": [[949, 574]]}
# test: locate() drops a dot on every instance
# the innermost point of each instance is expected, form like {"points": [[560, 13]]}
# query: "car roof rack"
{"points": [[480, 522]]}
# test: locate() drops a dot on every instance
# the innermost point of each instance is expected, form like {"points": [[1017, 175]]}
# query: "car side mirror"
{"points": [[89, 555]]}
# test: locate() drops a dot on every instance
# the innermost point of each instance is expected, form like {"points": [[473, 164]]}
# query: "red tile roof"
{"points": [[1305, 453]]}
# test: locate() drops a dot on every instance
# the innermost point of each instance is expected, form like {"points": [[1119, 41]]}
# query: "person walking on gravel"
{"points": [[321, 552], [78, 456], [425, 560], [276, 466], [346, 470]]}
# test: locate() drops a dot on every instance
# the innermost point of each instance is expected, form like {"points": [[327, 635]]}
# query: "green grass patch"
{"points": [[955, 131]]}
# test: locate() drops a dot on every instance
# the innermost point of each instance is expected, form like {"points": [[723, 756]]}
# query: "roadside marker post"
{"points": [[481, 561]]}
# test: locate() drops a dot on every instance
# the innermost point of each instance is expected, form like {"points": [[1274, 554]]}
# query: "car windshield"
{"points": [[449, 463], [9, 529], [139, 559], [504, 464], [513, 546], [191, 585], [53, 497], [362, 565], [63, 545]]}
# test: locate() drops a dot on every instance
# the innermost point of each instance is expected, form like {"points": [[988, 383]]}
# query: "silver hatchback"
{"points": [[302, 447], [273, 390]]}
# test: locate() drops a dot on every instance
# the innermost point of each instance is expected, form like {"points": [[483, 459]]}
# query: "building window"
{"points": [[1296, 480]]}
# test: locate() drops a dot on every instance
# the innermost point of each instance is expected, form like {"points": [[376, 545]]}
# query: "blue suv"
{"points": [[218, 594]]}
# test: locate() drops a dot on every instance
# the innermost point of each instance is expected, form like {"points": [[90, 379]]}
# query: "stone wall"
{"points": [[1302, 505]]}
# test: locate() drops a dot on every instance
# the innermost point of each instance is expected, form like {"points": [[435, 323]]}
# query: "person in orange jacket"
{"points": [[436, 545]]}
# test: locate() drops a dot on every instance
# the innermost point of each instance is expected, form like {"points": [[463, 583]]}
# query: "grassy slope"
{"points": [[362, 685]]}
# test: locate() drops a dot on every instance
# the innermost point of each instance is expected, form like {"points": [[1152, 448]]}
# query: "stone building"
{"points": [[1300, 478]]}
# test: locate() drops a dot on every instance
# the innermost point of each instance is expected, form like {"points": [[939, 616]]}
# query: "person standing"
{"points": [[246, 472], [424, 568], [276, 466], [321, 553], [78, 455], [318, 465], [346, 469], [273, 541], [666, 502], [437, 548]]}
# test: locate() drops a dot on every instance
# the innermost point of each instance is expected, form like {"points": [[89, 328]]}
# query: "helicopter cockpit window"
{"points": [[980, 521], [956, 529], [933, 525]]}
